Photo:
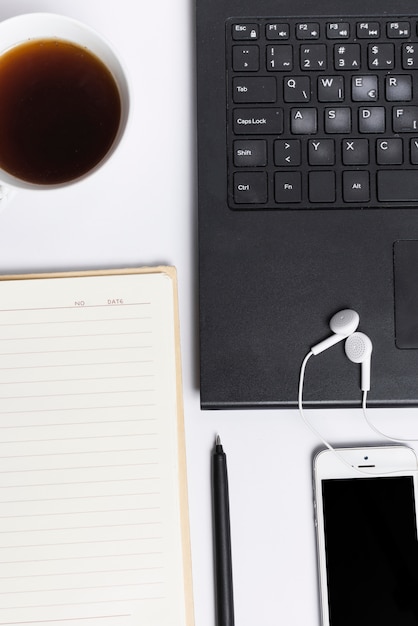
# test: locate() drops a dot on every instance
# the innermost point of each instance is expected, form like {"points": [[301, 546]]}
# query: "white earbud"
{"points": [[342, 324], [358, 348]]}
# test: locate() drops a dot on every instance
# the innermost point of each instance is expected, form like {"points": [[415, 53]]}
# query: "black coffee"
{"points": [[59, 111]]}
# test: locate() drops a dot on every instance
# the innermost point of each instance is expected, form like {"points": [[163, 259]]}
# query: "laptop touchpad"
{"points": [[406, 293]]}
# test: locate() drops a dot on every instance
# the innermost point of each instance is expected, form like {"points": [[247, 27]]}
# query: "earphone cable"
{"points": [[377, 430], [309, 424], [300, 402], [339, 456]]}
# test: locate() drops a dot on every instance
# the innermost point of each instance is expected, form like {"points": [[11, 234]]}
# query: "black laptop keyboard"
{"points": [[322, 112]]}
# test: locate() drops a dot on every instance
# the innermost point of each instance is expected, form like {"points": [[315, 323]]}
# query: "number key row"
{"points": [[281, 57]]}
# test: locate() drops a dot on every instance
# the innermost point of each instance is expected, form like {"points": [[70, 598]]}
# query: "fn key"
{"points": [[250, 188]]}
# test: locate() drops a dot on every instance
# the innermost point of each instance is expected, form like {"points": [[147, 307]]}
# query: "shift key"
{"points": [[397, 185], [267, 121]]}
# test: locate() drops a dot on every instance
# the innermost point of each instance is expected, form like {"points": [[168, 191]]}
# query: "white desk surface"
{"points": [[140, 209]]}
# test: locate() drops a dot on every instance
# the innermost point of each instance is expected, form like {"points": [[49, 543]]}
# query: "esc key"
{"points": [[244, 31]]}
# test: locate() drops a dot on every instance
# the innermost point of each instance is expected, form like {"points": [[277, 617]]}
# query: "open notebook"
{"points": [[93, 495]]}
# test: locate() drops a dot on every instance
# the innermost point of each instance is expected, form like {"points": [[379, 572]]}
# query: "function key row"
{"points": [[397, 29], [314, 57]]}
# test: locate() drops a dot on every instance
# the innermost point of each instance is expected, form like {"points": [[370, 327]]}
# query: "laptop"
{"points": [[308, 198]]}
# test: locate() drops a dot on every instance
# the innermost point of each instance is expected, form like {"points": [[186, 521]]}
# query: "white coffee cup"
{"points": [[46, 26]]}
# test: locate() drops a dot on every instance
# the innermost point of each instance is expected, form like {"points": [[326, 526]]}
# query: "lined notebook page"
{"points": [[90, 519]]}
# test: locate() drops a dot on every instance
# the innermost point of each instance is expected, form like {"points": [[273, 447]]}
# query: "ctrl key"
{"points": [[250, 188]]}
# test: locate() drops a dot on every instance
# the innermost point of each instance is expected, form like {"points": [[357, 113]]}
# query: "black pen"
{"points": [[222, 538]]}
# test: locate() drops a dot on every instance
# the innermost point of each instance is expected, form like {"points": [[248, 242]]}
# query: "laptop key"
{"points": [[405, 119], [355, 151], [399, 30], [338, 120], [287, 152], [372, 120], [381, 56], [287, 187], [251, 89], [410, 56], [331, 88], [338, 30], [246, 58], [389, 151], [364, 88], [277, 31], [322, 186], [297, 89], [321, 152], [258, 121], [245, 31], [307, 30], [356, 186], [347, 56], [368, 30], [397, 186], [250, 188], [279, 58], [313, 57], [398, 88], [304, 121], [248, 153]]}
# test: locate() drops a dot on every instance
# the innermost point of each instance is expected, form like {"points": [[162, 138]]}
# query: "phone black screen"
{"points": [[371, 551]]}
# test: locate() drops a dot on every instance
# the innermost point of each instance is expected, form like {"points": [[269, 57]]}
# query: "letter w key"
{"points": [[330, 88]]}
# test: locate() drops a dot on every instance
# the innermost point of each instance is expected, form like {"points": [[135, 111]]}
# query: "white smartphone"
{"points": [[366, 524]]}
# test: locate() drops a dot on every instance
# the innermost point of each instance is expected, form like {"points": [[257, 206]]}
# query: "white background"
{"points": [[140, 209]]}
